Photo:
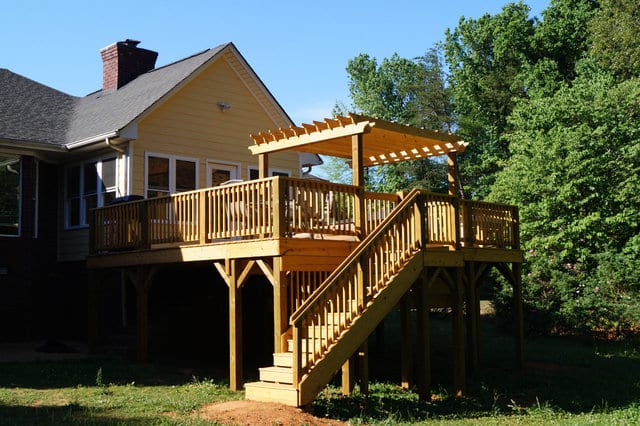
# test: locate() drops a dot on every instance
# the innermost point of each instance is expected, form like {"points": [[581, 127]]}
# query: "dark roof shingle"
{"points": [[33, 112]]}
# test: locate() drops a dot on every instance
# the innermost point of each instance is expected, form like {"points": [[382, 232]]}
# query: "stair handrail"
{"points": [[414, 200], [326, 285]]}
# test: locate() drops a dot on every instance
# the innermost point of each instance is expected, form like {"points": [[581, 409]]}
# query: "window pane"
{"points": [[285, 174], [185, 175], [254, 174], [108, 197], [90, 202], [90, 178], [73, 181], [158, 175], [9, 195], [219, 176], [108, 173], [73, 210]]}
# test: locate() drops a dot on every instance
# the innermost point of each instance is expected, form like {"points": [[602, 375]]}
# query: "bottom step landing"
{"points": [[272, 392]]}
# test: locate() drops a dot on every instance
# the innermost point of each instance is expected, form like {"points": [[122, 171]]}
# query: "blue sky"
{"points": [[299, 49]]}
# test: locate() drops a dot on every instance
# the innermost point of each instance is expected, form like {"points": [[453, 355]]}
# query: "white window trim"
{"points": [[172, 170], [84, 222], [20, 201], [210, 163]]}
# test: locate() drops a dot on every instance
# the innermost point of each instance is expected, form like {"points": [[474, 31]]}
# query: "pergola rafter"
{"points": [[383, 142]]}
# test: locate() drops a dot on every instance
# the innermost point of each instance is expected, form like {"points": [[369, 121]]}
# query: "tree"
{"points": [[498, 60], [575, 173], [408, 91], [562, 35], [485, 57], [615, 37]]}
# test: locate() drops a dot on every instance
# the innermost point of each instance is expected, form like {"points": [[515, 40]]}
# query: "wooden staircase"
{"points": [[339, 316]]}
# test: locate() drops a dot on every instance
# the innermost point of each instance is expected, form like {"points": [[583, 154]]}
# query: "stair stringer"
{"points": [[360, 329]]}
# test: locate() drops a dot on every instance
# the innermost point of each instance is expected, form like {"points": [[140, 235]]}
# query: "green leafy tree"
{"points": [[562, 35], [496, 61], [615, 37], [408, 91], [575, 173], [485, 57]]}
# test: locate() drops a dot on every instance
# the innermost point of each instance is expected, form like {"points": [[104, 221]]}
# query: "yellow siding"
{"points": [[190, 124]]}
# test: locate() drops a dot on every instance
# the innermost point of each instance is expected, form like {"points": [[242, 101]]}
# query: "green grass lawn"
{"points": [[566, 381]]}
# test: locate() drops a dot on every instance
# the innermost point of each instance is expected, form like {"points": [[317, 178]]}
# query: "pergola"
{"points": [[366, 141]]}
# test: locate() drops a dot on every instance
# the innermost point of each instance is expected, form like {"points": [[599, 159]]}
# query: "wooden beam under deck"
{"points": [[298, 254]]}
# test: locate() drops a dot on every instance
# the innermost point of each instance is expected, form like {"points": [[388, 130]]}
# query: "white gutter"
{"points": [[90, 141]]}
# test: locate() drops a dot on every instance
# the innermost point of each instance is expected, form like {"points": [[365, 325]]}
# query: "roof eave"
{"points": [[92, 140]]}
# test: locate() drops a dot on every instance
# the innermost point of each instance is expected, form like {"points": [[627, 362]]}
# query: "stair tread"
{"points": [[276, 368], [271, 385], [272, 392]]}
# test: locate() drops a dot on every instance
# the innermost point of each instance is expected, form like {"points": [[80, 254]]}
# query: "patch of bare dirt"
{"points": [[249, 413]]}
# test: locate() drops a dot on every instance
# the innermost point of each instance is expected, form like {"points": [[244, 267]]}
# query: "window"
{"points": [[168, 174], [88, 185], [10, 174], [219, 173], [254, 173]]}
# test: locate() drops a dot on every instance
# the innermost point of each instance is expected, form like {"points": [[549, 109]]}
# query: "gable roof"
{"points": [[106, 112], [33, 112]]}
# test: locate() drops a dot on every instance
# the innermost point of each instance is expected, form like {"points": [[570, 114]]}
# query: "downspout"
{"points": [[119, 191], [112, 146]]}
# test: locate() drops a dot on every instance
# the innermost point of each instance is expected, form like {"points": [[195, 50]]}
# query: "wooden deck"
{"points": [[338, 258], [287, 217]]}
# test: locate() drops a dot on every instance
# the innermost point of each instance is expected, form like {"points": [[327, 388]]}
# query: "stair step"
{"points": [[304, 347], [283, 359], [277, 374], [271, 392]]}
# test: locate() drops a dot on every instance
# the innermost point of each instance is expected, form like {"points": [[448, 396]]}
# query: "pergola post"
{"points": [[263, 166], [357, 171], [453, 176]]}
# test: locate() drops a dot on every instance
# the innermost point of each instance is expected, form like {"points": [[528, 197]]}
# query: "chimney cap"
{"points": [[131, 42]]}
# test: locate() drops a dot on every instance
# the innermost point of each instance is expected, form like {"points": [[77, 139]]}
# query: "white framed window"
{"points": [[10, 195], [254, 172], [88, 185], [168, 174], [219, 172]]}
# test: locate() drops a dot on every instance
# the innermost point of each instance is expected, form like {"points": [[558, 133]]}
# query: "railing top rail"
{"points": [[489, 204], [304, 309]]}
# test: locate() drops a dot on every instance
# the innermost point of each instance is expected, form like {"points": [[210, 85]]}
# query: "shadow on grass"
{"points": [[61, 415], [72, 373], [561, 375]]}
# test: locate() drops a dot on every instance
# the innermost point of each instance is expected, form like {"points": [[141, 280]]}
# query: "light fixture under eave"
{"points": [[223, 106]]}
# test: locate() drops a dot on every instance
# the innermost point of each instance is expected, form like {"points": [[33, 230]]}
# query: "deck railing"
{"points": [[489, 224], [281, 207]]}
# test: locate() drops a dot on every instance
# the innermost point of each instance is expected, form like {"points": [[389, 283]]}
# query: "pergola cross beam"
{"points": [[383, 141]]}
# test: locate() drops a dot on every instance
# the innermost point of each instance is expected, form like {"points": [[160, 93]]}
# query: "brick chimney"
{"points": [[124, 61]]}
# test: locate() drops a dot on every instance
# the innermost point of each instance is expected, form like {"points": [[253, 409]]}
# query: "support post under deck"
{"points": [[235, 327]]}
